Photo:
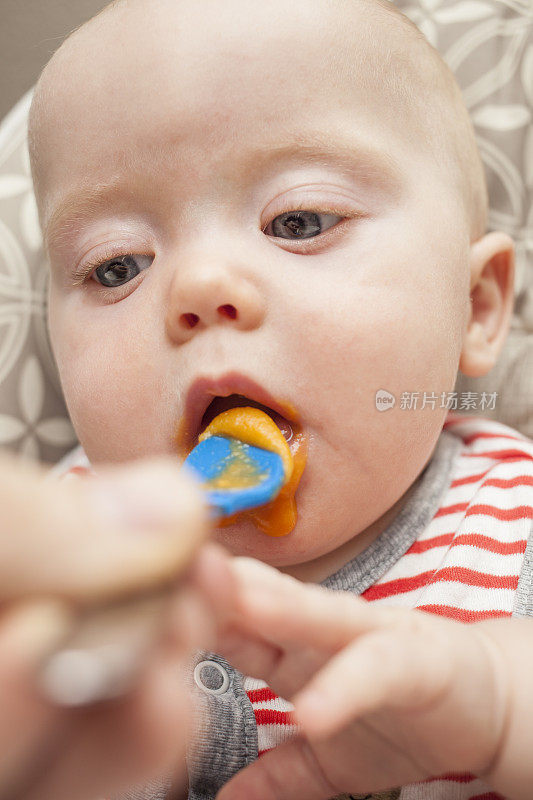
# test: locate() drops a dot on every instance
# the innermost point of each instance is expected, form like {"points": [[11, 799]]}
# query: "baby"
{"points": [[285, 202]]}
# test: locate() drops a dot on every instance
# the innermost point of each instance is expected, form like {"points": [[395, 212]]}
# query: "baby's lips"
{"points": [[204, 390]]}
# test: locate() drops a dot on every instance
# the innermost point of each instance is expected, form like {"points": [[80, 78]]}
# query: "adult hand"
{"points": [[71, 546]]}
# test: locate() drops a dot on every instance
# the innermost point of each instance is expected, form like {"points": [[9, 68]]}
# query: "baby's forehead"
{"points": [[217, 57], [321, 46], [173, 71]]}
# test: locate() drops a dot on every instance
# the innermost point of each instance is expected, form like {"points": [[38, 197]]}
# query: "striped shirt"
{"points": [[465, 565]]}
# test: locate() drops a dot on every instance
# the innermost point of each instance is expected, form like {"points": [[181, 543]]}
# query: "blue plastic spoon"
{"points": [[215, 457]]}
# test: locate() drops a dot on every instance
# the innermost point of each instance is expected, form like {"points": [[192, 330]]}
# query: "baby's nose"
{"points": [[211, 295]]}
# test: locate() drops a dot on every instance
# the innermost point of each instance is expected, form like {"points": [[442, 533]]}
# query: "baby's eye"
{"points": [[300, 224], [121, 269]]}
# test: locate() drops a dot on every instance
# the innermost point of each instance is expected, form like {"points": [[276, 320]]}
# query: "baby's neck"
{"points": [[322, 567]]}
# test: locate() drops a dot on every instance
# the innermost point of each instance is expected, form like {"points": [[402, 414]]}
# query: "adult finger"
{"points": [[27, 633], [108, 749]]}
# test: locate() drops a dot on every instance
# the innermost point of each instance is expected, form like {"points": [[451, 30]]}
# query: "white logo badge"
{"points": [[384, 400]]}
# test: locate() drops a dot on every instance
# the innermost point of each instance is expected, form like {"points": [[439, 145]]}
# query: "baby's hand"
{"points": [[384, 696], [66, 546]]}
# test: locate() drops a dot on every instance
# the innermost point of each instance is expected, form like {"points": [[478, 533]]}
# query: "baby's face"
{"points": [[292, 204]]}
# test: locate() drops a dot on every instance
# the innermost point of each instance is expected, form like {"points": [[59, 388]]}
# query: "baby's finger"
{"points": [[97, 539], [290, 613], [250, 655], [391, 668], [288, 772], [212, 575], [190, 625]]}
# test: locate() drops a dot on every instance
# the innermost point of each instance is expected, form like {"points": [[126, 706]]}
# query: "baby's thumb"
{"points": [[289, 772]]}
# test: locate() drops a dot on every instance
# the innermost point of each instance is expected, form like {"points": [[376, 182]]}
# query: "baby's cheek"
{"points": [[96, 402], [383, 341], [109, 371], [105, 399], [386, 338], [423, 348]]}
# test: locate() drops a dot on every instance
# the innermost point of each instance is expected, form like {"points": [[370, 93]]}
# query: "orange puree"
{"points": [[278, 517], [253, 426]]}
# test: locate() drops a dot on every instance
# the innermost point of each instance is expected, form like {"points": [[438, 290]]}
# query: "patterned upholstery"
{"points": [[489, 46], [33, 417]]}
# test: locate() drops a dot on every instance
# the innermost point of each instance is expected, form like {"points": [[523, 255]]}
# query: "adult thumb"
{"points": [[131, 529], [289, 772]]}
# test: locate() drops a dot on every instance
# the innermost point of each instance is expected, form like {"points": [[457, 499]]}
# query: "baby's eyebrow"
{"points": [[356, 158], [76, 206]]}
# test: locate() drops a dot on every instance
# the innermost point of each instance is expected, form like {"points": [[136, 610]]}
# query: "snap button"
{"points": [[211, 677]]}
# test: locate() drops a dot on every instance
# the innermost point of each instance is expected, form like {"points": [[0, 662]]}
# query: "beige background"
{"points": [[30, 31]]}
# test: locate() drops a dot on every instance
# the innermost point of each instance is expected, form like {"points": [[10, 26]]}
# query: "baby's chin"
{"points": [[244, 538], [323, 539]]}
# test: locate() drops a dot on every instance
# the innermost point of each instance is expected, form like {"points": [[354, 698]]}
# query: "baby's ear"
{"points": [[491, 302]]}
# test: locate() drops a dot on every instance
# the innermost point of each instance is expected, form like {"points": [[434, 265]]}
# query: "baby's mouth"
{"points": [[209, 396], [220, 404], [278, 517]]}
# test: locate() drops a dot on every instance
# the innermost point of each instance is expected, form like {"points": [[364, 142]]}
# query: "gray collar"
{"points": [[368, 567]]}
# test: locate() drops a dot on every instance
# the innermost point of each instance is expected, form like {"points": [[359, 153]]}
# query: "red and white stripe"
{"points": [[450, 787], [273, 715], [466, 563]]}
